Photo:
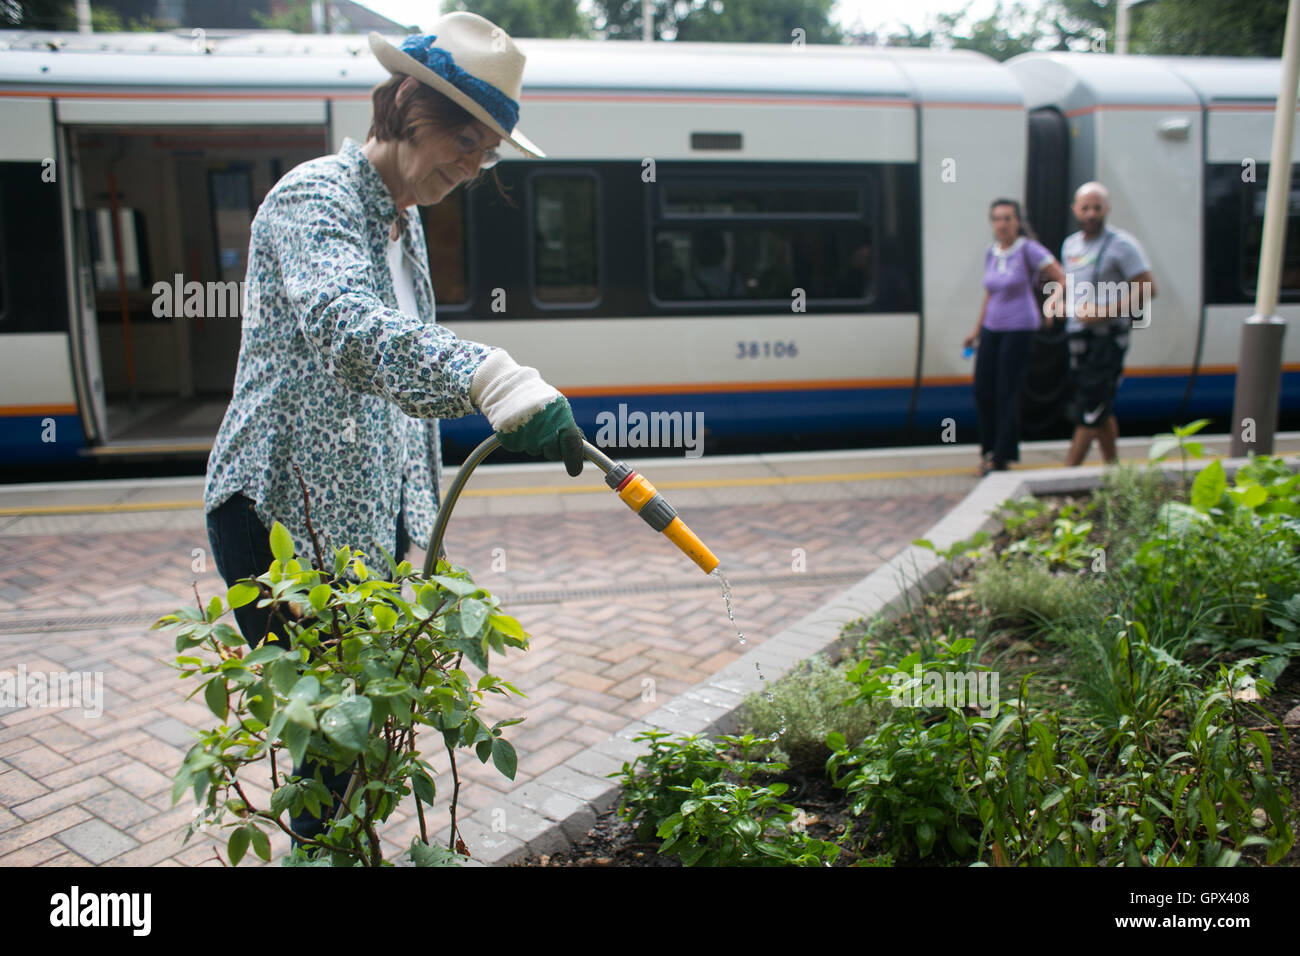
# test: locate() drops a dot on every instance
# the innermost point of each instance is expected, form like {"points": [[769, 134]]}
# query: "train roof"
{"points": [[1078, 81], [303, 62]]}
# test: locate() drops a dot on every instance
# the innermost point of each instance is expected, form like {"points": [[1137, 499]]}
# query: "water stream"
{"points": [[740, 637]]}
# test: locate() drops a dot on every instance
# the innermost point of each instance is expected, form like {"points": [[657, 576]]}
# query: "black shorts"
{"points": [[1096, 368]]}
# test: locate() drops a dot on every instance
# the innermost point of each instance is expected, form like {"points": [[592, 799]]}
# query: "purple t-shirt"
{"points": [[1013, 302]]}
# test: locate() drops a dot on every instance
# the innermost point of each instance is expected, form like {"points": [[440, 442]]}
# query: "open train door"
{"points": [[84, 329], [1047, 204]]}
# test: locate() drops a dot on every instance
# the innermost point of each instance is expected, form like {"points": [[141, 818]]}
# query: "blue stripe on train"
{"points": [[38, 439], [747, 415]]}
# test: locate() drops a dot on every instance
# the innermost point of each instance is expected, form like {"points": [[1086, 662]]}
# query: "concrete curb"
{"points": [[554, 811]]}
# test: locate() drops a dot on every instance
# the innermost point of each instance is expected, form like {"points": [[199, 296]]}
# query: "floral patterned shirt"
{"points": [[332, 377]]}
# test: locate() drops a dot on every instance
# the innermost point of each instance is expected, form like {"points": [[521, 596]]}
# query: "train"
{"points": [[783, 243]]}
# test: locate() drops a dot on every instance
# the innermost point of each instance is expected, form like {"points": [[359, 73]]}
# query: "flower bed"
{"points": [[1105, 685]]}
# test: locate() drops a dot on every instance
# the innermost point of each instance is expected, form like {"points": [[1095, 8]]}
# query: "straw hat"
{"points": [[472, 62]]}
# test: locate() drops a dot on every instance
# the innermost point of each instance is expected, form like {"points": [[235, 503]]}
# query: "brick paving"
{"points": [[83, 789]]}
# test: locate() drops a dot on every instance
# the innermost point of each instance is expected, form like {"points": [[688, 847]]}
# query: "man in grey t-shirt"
{"points": [[1108, 284]]}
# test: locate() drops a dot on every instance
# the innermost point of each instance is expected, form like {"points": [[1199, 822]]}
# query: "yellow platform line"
{"points": [[127, 507]]}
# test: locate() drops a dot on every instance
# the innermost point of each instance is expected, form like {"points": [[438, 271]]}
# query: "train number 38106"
{"points": [[766, 350]]}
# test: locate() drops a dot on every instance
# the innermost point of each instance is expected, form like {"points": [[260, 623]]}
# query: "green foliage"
{"points": [[806, 705], [559, 19], [903, 776], [354, 667], [707, 810], [1024, 592], [728, 21]]}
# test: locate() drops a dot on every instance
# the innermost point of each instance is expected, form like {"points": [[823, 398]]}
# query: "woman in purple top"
{"points": [[1008, 323]]}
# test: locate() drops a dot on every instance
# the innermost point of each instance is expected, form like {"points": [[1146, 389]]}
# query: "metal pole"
{"points": [[647, 21], [1121, 28], [1259, 369], [83, 16]]}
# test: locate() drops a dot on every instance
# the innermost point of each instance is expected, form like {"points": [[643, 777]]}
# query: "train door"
{"points": [[84, 329], [165, 213], [1047, 205]]}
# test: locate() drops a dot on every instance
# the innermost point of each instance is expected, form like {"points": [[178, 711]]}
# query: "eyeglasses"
{"points": [[468, 145]]}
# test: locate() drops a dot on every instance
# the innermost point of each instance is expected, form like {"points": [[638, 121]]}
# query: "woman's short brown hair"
{"points": [[394, 121]]}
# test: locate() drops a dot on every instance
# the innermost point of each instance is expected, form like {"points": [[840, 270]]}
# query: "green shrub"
{"points": [[806, 705], [1025, 592], [681, 793]]}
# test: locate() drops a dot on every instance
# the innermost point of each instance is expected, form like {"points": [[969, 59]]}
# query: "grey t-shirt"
{"points": [[1124, 259]]}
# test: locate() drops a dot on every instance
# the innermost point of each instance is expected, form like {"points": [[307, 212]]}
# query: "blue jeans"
{"points": [[241, 548]]}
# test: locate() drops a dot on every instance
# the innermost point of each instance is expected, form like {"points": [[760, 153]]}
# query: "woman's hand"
{"points": [[529, 415], [969, 341]]}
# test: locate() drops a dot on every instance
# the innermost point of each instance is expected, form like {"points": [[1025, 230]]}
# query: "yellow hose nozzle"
{"points": [[641, 497]]}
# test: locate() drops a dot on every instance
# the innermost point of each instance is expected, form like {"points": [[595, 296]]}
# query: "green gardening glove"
{"points": [[527, 414]]}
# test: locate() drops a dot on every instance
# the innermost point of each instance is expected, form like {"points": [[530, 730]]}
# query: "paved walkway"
{"points": [[620, 622]]}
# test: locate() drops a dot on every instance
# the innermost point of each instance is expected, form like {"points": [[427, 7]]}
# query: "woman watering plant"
{"points": [[1008, 324], [342, 371]]}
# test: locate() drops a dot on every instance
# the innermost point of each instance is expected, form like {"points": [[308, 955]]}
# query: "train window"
{"points": [[4, 268], [444, 234], [760, 200], [231, 190], [1253, 201], [740, 236], [827, 261], [565, 266], [99, 227]]}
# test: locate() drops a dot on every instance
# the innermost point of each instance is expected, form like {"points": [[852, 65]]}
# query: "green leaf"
{"points": [[422, 854], [241, 593], [214, 608], [504, 756], [266, 652], [298, 712], [237, 845], [423, 786], [261, 842], [319, 596], [347, 723], [508, 625], [215, 694], [306, 689], [283, 798], [456, 586], [473, 615], [281, 543], [284, 675], [1209, 487], [296, 738], [1162, 446], [385, 617]]}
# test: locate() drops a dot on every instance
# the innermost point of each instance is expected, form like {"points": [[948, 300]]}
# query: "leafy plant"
{"points": [[806, 705], [721, 817], [363, 663]]}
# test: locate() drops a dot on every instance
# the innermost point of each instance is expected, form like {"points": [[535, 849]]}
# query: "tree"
{"points": [[559, 19], [1212, 27], [760, 21], [727, 21], [38, 14]]}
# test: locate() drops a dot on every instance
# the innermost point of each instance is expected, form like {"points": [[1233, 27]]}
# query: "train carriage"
{"points": [[785, 243]]}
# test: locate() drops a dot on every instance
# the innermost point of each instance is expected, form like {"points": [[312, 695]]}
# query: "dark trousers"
{"points": [[241, 548], [1001, 365]]}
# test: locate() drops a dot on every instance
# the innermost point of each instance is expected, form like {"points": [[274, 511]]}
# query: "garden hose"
{"points": [[637, 493]]}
